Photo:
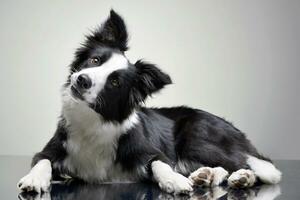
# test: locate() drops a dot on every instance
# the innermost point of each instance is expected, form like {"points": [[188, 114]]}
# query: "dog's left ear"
{"points": [[113, 32], [149, 80]]}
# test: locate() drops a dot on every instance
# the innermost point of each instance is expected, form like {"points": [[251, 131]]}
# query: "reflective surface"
{"points": [[148, 192], [12, 168]]}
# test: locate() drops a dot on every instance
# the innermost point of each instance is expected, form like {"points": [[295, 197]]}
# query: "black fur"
{"points": [[193, 136], [112, 33], [149, 79]]}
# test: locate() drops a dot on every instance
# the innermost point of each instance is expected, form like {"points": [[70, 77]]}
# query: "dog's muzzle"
{"points": [[83, 82]]}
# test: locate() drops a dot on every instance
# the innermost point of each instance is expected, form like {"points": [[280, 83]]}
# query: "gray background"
{"points": [[237, 59]]}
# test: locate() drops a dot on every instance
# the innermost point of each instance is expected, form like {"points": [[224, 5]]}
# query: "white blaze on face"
{"points": [[98, 75]]}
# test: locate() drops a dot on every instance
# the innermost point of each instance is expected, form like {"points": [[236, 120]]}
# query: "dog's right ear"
{"points": [[112, 32], [149, 79]]}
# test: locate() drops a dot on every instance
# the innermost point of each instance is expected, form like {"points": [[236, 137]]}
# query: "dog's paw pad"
{"points": [[203, 176], [242, 178]]}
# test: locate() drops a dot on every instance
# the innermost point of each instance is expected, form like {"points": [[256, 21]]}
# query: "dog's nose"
{"points": [[83, 81]]}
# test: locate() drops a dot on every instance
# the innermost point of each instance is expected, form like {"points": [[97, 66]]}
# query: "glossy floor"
{"points": [[13, 168]]}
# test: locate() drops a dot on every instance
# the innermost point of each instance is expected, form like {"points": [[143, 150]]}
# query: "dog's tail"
{"points": [[264, 170]]}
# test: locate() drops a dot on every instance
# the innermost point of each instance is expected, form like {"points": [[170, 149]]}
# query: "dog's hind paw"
{"points": [[241, 179], [207, 176]]}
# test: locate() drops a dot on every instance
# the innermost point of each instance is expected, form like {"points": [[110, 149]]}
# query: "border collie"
{"points": [[105, 134]]}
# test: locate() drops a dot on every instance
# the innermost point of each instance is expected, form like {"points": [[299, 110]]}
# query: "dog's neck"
{"points": [[82, 119]]}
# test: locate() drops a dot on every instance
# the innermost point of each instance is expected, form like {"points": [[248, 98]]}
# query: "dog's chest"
{"points": [[91, 149], [92, 145], [91, 156], [88, 159]]}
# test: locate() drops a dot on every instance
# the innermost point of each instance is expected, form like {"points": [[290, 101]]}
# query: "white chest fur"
{"points": [[92, 144]]}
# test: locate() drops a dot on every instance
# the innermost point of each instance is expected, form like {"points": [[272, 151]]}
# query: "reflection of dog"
{"points": [[148, 191], [105, 135]]}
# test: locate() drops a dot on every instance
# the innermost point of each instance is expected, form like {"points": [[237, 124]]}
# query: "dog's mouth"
{"points": [[76, 93]]}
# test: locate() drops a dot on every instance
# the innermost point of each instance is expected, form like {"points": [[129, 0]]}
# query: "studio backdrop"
{"points": [[236, 59]]}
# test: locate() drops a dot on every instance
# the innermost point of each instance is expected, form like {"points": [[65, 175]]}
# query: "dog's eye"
{"points": [[95, 61], [115, 82]]}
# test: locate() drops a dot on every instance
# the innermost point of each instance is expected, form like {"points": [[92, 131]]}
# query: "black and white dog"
{"points": [[105, 135]]}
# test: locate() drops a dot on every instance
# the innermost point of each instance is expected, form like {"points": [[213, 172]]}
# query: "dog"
{"points": [[105, 134]]}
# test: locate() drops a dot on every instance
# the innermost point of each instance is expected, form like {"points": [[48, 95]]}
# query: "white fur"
{"points": [[181, 167], [98, 75], [215, 177], [169, 180], [266, 171], [220, 174], [91, 143], [246, 173], [39, 177]]}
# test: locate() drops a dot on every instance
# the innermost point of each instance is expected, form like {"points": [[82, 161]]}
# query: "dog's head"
{"points": [[103, 78]]}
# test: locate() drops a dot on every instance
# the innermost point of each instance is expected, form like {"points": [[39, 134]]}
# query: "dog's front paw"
{"points": [[177, 184], [34, 182], [38, 178]]}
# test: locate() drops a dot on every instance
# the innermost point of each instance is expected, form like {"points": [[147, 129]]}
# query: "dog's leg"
{"points": [[242, 178], [264, 170], [169, 180], [207, 176], [38, 179]]}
